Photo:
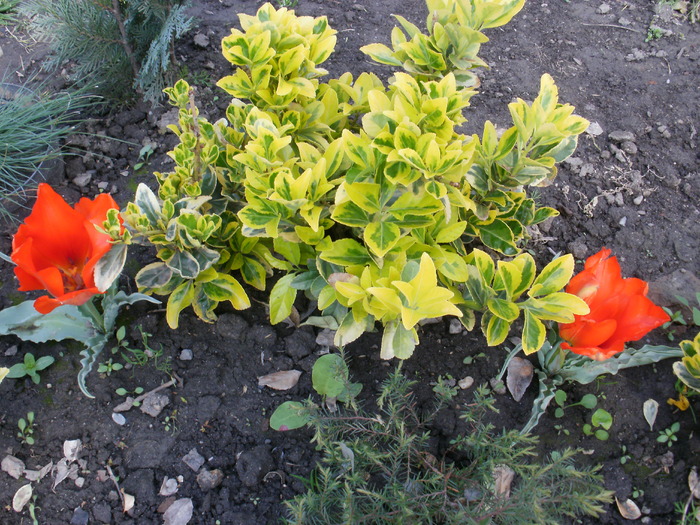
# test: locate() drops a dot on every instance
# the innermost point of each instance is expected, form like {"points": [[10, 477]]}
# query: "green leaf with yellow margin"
{"points": [[559, 307], [180, 299], [534, 333], [382, 54], [498, 236], [382, 236], [282, 298], [349, 330], [504, 309], [553, 277], [495, 329], [397, 341], [346, 252], [226, 288]]}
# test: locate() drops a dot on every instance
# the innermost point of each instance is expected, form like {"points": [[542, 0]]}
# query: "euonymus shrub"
{"points": [[363, 194]]}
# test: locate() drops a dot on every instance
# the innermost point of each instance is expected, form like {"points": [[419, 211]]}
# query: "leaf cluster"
{"points": [[364, 195], [688, 368], [378, 468]]}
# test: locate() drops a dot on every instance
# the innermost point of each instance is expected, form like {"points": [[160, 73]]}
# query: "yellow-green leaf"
{"points": [[282, 298], [559, 307], [380, 237], [534, 333], [423, 298], [496, 329], [180, 299], [381, 53], [504, 309], [225, 288], [553, 277]]}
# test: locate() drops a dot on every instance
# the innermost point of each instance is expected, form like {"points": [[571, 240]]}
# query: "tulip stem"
{"points": [[91, 311]]}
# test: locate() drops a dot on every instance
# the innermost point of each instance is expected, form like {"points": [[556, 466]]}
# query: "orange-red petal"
{"points": [[46, 304], [619, 309]]}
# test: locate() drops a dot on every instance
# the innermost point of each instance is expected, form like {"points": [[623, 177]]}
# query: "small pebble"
{"points": [[201, 40], [153, 404], [11, 351], [629, 147], [638, 200], [118, 419], [80, 517], [83, 180], [594, 129], [621, 136], [603, 9], [79, 482], [193, 459], [456, 326], [186, 355], [168, 487], [465, 383], [209, 479], [623, 221]]}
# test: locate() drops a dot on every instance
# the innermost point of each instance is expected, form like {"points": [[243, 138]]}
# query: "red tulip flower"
{"points": [[620, 310], [57, 247]]}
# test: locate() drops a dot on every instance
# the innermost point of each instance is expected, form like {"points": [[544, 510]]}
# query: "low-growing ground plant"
{"points": [[30, 366], [378, 467], [26, 429]]}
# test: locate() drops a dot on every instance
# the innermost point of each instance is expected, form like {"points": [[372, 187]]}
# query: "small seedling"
{"points": [[470, 358], [588, 401], [625, 457], [695, 311], [445, 387], [134, 393], [561, 430], [141, 357], [108, 367], [601, 421], [144, 154], [654, 33], [30, 367], [26, 429], [637, 493], [668, 435], [170, 422]]}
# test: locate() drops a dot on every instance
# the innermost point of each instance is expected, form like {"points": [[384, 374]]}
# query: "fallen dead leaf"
{"points": [[628, 509], [650, 409], [71, 448], [179, 513], [128, 501], [13, 466], [280, 380], [22, 497], [62, 470], [503, 477], [520, 372], [694, 482]]}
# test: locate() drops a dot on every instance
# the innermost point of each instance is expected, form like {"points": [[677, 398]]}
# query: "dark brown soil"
{"points": [[638, 197]]}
